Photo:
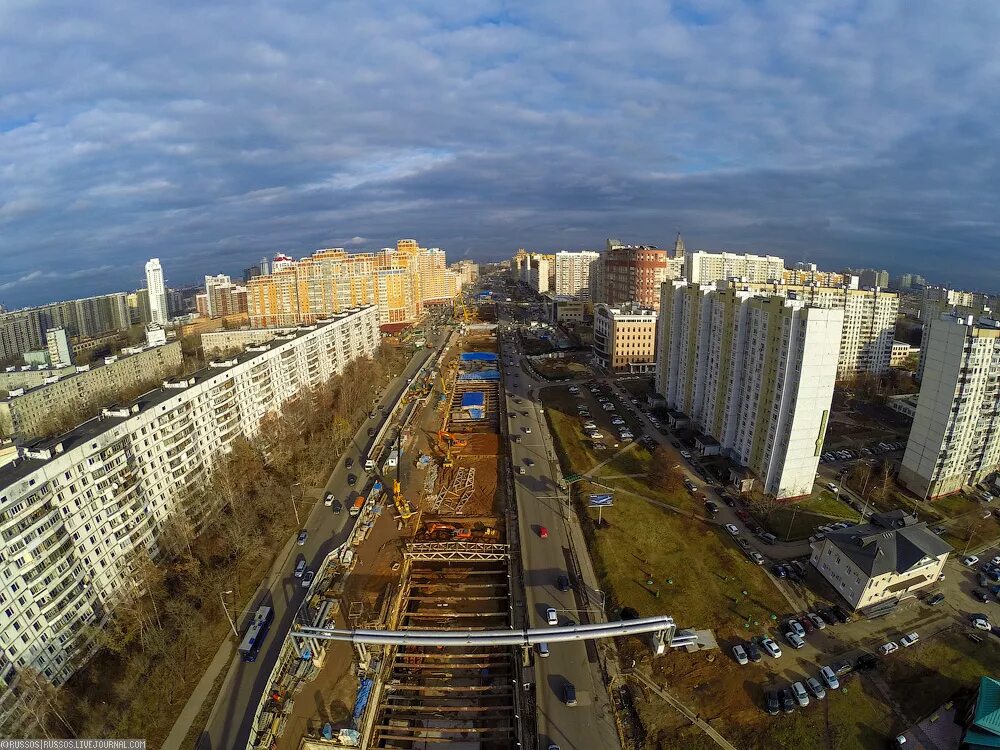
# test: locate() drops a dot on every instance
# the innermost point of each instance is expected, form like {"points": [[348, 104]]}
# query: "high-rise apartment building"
{"points": [[467, 270], [157, 291], [74, 509], [625, 337], [223, 297], [869, 321], [634, 273], [57, 344], [703, 267], [398, 281], [937, 300], [870, 278], [24, 330], [754, 374], [573, 273], [955, 437]]}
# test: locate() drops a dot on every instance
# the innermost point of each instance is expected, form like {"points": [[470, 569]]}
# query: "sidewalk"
{"points": [[190, 711]]}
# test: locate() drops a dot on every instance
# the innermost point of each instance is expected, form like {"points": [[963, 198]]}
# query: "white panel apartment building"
{"points": [[754, 373], [702, 267], [869, 320], [73, 508], [573, 273], [955, 437]]}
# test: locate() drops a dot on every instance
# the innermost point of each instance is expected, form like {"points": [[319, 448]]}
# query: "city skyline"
{"points": [[230, 136]]}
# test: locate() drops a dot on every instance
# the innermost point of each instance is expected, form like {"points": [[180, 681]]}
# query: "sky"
{"points": [[211, 134]]}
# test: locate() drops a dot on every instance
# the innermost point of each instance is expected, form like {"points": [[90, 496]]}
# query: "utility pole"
{"points": [[222, 595]]}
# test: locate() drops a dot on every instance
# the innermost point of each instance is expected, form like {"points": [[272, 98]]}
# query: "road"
{"points": [[589, 724], [229, 723]]}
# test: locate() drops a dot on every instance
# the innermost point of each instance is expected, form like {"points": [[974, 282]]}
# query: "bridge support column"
{"points": [[662, 640]]}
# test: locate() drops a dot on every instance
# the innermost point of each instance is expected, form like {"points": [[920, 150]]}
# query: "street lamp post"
{"points": [[222, 595], [294, 507]]}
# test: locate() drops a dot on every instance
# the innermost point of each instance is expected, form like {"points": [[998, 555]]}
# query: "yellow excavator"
{"points": [[402, 506]]}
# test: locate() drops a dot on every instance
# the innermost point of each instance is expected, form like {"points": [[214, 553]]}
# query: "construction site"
{"points": [[434, 555]]}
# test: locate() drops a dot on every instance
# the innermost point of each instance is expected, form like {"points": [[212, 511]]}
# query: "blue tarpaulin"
{"points": [[479, 357], [473, 399], [481, 375], [364, 691], [476, 413]]}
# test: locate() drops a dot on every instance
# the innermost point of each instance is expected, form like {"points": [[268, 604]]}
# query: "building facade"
{"points": [[881, 561], [24, 330], [75, 509], [938, 300], [754, 374], [625, 337], [633, 274], [955, 438], [26, 410], [703, 267], [399, 282], [222, 297], [573, 273], [157, 290], [900, 353]]}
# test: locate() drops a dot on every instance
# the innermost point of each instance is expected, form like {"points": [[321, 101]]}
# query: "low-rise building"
{"points": [[562, 309], [884, 560], [901, 351], [74, 509], [625, 337], [906, 404]]}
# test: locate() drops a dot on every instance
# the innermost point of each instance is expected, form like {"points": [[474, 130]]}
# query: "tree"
{"points": [[663, 472], [760, 503], [43, 703]]}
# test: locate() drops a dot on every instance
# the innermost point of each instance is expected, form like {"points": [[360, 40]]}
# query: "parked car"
{"points": [[301, 539], [970, 561], [796, 628], [841, 614], [307, 578], [351, 480], [816, 688], [328, 499], [799, 691], [711, 507], [732, 529], [842, 667], [338, 506], [787, 700], [543, 533], [827, 614], [300, 567], [757, 558], [752, 651], [770, 647], [685, 454], [829, 678], [794, 641], [980, 595], [887, 648], [908, 640], [816, 620], [935, 599], [771, 702], [562, 583], [348, 462], [551, 616], [740, 654], [806, 623], [980, 622], [569, 694]]}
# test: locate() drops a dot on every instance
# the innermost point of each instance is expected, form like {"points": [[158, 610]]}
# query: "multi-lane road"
{"points": [[590, 723], [230, 721]]}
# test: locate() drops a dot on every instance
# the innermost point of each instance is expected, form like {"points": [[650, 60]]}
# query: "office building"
{"points": [[398, 281], [879, 563], [625, 337], [57, 344], [567, 310], [703, 267], [27, 410], [955, 438], [157, 290], [753, 375], [74, 509], [573, 272]]}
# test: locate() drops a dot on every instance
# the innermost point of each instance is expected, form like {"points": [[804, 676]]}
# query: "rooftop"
{"points": [[892, 542]]}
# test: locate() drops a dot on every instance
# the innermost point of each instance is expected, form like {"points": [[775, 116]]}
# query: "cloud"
{"points": [[210, 135]]}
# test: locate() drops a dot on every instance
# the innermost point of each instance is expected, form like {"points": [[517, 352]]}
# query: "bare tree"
{"points": [[43, 702]]}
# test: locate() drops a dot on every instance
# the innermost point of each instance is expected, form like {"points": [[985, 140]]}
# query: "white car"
{"points": [[685, 454], [794, 641], [832, 487], [799, 691], [995, 561], [887, 648], [909, 640], [829, 677], [970, 561], [732, 529], [740, 654], [796, 627], [816, 620], [771, 647], [980, 622], [551, 616]]}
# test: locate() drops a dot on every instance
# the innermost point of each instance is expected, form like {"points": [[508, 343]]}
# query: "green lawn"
{"points": [[827, 504]]}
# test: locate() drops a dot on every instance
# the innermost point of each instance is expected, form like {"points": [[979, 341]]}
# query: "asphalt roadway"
{"points": [[230, 721], [589, 724]]}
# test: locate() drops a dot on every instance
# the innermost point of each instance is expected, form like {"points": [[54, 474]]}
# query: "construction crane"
{"points": [[447, 441], [402, 507]]}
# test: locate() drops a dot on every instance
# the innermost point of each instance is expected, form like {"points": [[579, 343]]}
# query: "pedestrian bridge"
{"points": [[662, 627]]}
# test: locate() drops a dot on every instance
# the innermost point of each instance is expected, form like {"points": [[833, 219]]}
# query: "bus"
{"points": [[256, 633]]}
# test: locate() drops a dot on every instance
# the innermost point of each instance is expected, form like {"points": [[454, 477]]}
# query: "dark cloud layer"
{"points": [[210, 134]]}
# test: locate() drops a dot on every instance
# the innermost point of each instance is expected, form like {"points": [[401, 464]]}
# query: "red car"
{"points": [[743, 515], [543, 532]]}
